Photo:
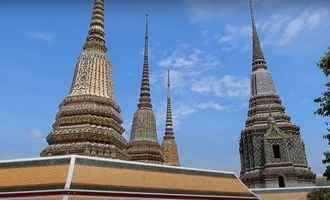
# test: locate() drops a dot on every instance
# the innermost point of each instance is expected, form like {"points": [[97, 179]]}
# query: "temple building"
{"points": [[271, 148], [89, 120], [143, 144], [89, 178], [169, 147], [88, 157], [87, 134]]}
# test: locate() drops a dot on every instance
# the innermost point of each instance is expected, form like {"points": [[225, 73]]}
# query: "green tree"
{"points": [[324, 106], [322, 194]]}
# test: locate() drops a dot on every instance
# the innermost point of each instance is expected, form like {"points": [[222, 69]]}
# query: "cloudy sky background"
{"points": [[207, 45]]}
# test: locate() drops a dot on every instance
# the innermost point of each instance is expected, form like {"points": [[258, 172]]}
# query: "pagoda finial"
{"points": [[258, 60], [168, 83], [145, 100], [96, 31], [169, 120]]}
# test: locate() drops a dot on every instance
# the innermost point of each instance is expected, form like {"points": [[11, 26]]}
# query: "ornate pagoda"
{"points": [[169, 147], [143, 144], [89, 120], [271, 148]]}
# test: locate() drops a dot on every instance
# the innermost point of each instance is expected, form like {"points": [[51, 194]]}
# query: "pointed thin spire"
{"points": [[145, 100], [169, 147], [258, 59], [96, 31], [169, 120], [168, 84]]}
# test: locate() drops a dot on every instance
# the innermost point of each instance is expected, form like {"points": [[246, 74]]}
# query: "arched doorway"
{"points": [[281, 182]]}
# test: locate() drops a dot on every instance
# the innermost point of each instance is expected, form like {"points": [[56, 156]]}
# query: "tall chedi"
{"points": [[89, 121], [169, 147], [143, 145], [271, 149]]}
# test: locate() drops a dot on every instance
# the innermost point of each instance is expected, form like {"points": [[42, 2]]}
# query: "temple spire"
{"points": [[169, 120], [89, 120], [144, 100], [94, 78], [169, 146], [96, 31], [168, 84], [268, 126], [258, 59], [143, 145]]}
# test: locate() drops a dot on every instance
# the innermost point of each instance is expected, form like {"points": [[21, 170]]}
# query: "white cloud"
{"points": [[42, 36], [194, 75], [277, 30], [36, 134], [212, 105], [201, 11], [226, 86], [306, 21], [177, 79], [188, 59], [182, 111], [186, 64], [232, 36], [175, 60]]}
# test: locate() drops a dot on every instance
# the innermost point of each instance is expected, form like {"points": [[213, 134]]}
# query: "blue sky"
{"points": [[205, 43]]}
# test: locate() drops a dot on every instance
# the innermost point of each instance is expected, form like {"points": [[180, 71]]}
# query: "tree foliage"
{"points": [[322, 194], [324, 106]]}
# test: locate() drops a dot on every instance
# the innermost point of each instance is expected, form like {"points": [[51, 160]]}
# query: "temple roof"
{"points": [[90, 177]]}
